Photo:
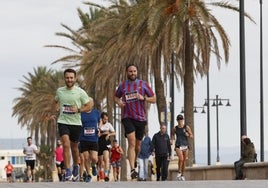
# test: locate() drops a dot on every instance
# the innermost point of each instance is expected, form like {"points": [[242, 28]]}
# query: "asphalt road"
{"points": [[151, 184]]}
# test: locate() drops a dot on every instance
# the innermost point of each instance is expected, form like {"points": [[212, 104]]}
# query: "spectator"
{"points": [[162, 152], [143, 158], [247, 155]]}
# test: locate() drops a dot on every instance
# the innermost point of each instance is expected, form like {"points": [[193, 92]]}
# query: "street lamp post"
{"points": [[261, 90], [208, 122], [216, 103]]}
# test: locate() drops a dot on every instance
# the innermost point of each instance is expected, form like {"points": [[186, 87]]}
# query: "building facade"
{"points": [[16, 158]]}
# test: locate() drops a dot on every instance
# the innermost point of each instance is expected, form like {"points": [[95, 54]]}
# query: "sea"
{"points": [[227, 155]]}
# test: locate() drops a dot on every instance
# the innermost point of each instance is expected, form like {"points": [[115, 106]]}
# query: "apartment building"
{"points": [[17, 159]]}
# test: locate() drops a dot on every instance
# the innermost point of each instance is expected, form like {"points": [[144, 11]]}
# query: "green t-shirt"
{"points": [[68, 98]]}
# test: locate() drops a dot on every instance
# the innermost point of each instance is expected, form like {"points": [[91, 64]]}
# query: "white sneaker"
{"points": [[182, 178], [179, 176]]}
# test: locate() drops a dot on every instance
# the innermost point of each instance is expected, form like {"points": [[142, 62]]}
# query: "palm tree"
{"points": [[84, 52], [199, 29], [185, 27], [37, 104], [46, 158], [27, 107], [147, 32]]}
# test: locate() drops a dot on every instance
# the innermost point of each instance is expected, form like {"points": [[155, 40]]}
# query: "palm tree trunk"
{"points": [[110, 101], [159, 85], [189, 90], [123, 174], [36, 133]]}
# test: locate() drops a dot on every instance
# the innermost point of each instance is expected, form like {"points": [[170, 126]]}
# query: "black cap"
{"points": [[179, 117]]}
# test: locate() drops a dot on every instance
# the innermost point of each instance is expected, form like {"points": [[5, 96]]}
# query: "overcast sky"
{"points": [[28, 25]]}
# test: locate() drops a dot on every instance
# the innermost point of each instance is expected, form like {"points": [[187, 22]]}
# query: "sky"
{"points": [[28, 25]]}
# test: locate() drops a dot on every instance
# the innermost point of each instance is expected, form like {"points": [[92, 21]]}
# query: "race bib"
{"points": [[131, 96], [67, 109], [89, 131]]}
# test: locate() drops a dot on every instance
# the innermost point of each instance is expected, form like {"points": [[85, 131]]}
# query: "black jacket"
{"points": [[161, 143]]}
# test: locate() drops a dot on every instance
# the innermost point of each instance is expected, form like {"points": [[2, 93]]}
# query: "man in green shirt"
{"points": [[71, 101]]}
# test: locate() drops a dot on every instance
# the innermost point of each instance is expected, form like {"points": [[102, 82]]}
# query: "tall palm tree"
{"points": [[147, 32], [164, 27], [26, 108], [84, 50], [37, 104], [199, 29], [186, 27]]}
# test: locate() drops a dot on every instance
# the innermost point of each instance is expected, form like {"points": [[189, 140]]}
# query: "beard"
{"points": [[69, 84], [132, 77]]}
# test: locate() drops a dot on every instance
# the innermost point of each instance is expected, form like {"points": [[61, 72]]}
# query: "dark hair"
{"points": [[71, 71], [131, 64], [29, 137], [104, 114], [162, 124], [179, 117], [247, 141]]}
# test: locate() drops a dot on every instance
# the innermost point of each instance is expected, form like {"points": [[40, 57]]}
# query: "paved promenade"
{"points": [[151, 184]]}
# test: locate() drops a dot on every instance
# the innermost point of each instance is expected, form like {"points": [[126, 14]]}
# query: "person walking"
{"points": [[248, 154], [30, 151], [59, 160], [71, 100], [9, 170], [182, 133], [131, 96], [89, 142], [115, 158], [143, 158], [162, 152], [106, 131]]}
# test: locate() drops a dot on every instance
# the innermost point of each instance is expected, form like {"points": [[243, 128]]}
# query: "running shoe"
{"points": [[75, 172], [133, 174], [88, 178], [106, 178], [68, 174], [179, 176], [94, 171]]}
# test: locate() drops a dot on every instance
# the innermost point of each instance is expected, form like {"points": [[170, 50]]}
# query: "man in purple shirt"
{"points": [[131, 96]]}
